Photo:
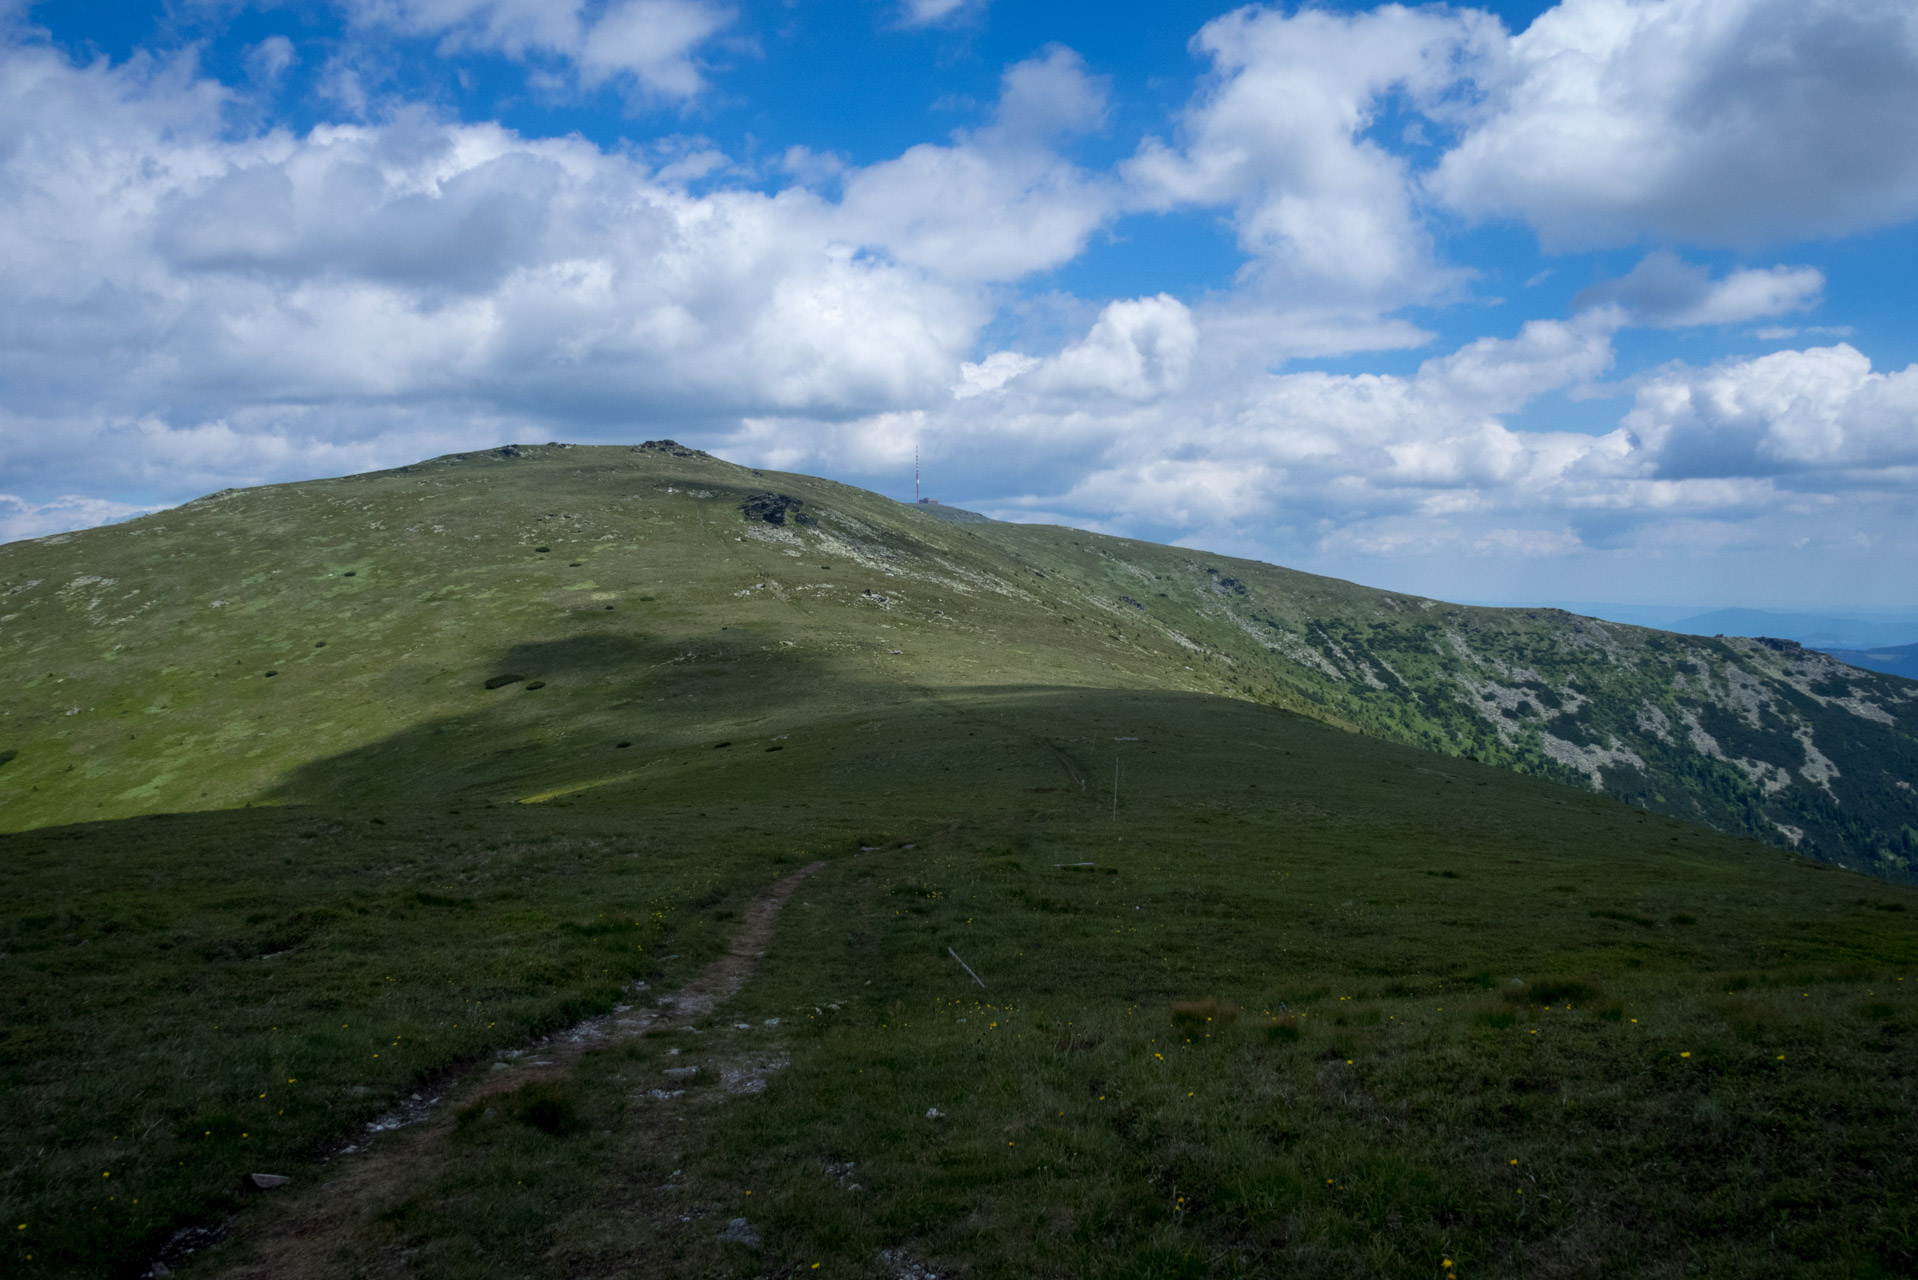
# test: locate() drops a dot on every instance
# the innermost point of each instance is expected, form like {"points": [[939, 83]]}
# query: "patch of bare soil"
{"points": [[313, 1230]]}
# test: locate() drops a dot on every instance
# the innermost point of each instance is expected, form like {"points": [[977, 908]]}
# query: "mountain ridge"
{"points": [[323, 638], [1896, 660]]}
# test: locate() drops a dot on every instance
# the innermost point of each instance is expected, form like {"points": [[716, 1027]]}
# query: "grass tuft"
{"points": [[1206, 1014]]}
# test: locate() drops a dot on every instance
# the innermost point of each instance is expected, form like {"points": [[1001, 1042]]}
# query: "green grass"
{"points": [[635, 603], [1346, 899], [190, 999], [1292, 1005]]}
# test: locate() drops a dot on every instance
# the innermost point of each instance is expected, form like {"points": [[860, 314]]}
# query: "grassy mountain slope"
{"points": [[1066, 758], [333, 641], [1417, 971]]}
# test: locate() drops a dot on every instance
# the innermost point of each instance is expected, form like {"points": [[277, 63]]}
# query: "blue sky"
{"points": [[1602, 300]]}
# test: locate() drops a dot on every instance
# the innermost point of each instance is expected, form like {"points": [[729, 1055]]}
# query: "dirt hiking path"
{"points": [[309, 1234]]}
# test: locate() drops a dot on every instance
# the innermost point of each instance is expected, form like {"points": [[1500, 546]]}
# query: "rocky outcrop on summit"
{"points": [[669, 448]]}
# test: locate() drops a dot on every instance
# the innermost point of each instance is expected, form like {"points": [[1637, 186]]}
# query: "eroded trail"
{"points": [[315, 1228]]}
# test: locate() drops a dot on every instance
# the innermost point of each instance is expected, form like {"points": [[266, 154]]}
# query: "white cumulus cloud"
{"points": [[22, 519], [1711, 122], [355, 294], [1667, 292], [1817, 417], [1428, 464], [1280, 135], [998, 203], [1138, 349], [655, 42]]}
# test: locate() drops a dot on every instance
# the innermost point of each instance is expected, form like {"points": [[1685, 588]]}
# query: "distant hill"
{"points": [[498, 624], [1814, 631], [1897, 660]]}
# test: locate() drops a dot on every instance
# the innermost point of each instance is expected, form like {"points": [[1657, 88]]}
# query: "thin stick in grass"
{"points": [[968, 968]]}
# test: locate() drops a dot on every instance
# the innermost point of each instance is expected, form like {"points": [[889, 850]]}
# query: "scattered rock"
{"points": [[266, 1181], [774, 507], [182, 1244], [508, 451], [934, 1113], [740, 1231], [500, 682], [901, 1267], [8, 755]]}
